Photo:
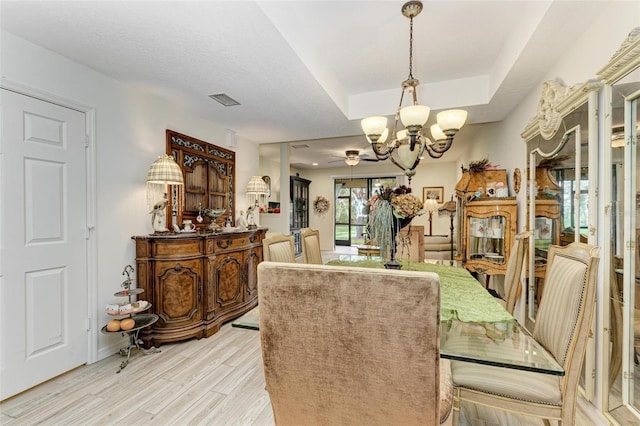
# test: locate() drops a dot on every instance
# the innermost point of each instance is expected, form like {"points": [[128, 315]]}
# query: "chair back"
{"points": [[278, 248], [567, 305], [311, 246], [513, 275], [350, 346]]}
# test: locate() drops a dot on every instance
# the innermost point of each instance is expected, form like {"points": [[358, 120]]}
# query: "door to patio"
{"points": [[351, 212]]}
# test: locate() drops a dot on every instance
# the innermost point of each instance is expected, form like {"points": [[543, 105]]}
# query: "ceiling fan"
{"points": [[352, 158]]}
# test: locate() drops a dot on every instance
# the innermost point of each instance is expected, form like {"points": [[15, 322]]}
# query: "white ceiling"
{"points": [[310, 70]]}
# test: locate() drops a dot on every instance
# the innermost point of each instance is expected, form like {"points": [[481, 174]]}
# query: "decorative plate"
{"points": [[517, 179]]}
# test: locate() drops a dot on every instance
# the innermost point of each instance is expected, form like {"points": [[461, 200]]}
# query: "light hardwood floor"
{"points": [[214, 381]]}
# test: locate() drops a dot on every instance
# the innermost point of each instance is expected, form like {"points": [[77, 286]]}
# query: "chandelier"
{"points": [[407, 145]]}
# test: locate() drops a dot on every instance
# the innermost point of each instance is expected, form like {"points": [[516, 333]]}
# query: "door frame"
{"points": [[90, 161]]}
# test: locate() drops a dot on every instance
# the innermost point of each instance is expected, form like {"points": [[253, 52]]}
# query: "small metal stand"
{"points": [[142, 321]]}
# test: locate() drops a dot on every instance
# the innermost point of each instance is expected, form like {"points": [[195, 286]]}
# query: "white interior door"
{"points": [[43, 262]]}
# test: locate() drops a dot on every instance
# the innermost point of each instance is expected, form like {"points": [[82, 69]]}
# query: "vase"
{"points": [[397, 224]]}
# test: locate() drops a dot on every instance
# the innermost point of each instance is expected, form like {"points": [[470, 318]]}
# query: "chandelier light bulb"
{"points": [[414, 115], [451, 121], [437, 133], [374, 126], [402, 135]]}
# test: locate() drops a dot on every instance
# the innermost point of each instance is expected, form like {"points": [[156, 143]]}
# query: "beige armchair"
{"points": [[311, 246], [352, 346], [562, 327], [278, 248]]}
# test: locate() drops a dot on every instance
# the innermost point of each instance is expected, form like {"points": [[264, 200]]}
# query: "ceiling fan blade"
{"points": [[375, 160]]}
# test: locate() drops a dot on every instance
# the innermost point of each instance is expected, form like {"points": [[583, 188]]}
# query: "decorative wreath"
{"points": [[321, 204]]}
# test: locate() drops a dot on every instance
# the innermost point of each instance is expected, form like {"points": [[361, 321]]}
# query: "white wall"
{"points": [[129, 134]]}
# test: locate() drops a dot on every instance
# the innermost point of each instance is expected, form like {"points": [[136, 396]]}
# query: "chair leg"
{"points": [[456, 407]]}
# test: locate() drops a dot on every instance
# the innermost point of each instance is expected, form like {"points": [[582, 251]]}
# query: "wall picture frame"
{"points": [[435, 192]]}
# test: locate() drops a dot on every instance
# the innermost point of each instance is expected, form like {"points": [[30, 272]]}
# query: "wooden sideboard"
{"points": [[197, 281]]}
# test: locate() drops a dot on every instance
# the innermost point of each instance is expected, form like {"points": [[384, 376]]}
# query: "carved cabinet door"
{"points": [[254, 257], [178, 298], [226, 283]]}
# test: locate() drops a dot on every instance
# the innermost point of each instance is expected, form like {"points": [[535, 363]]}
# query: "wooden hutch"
{"points": [[198, 280]]}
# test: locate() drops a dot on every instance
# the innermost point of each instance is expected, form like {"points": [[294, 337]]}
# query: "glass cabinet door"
{"points": [[490, 227], [486, 239], [622, 219]]}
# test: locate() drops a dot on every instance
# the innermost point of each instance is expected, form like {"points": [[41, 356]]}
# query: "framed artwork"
{"points": [[435, 192]]}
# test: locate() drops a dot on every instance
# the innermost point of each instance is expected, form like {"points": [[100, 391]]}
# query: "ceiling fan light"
{"points": [[437, 133], [373, 125], [352, 161], [414, 115], [452, 120]]}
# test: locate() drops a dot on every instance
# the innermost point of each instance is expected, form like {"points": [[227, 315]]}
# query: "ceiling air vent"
{"points": [[300, 146], [224, 99]]}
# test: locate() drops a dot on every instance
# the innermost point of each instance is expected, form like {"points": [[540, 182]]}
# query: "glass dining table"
{"points": [[474, 326]]}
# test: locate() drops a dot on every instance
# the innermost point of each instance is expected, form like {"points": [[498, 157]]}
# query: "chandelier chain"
{"points": [[410, 48]]}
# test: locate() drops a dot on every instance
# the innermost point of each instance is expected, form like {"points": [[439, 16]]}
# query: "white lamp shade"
{"points": [[257, 186], [165, 171], [374, 125], [437, 133], [352, 161], [414, 115], [453, 119], [402, 135], [431, 205]]}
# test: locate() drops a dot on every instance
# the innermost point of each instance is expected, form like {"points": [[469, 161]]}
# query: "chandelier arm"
{"points": [[441, 149], [433, 154], [380, 155]]}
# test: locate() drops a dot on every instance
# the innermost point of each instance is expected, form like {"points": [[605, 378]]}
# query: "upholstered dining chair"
{"points": [[513, 275], [352, 346], [562, 326], [311, 246], [278, 248]]}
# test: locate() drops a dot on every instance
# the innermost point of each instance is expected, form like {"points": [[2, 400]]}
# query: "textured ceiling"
{"points": [[310, 70]]}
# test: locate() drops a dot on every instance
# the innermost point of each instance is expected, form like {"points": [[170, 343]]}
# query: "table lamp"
{"points": [[257, 192], [163, 172], [431, 206]]}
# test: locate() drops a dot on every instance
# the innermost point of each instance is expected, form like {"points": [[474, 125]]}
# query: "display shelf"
{"points": [[140, 319]]}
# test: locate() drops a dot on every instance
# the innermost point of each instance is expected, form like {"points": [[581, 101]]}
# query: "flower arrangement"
{"points": [[389, 211], [320, 204]]}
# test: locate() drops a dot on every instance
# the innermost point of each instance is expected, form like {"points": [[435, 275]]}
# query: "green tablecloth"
{"points": [[462, 297]]}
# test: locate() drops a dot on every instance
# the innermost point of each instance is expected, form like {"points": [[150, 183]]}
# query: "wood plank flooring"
{"points": [[214, 381]]}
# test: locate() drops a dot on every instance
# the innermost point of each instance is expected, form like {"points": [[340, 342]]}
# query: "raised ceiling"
{"points": [[310, 70]]}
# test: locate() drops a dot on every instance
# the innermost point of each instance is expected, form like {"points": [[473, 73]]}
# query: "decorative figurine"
{"points": [[241, 222], [158, 221], [250, 218]]}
